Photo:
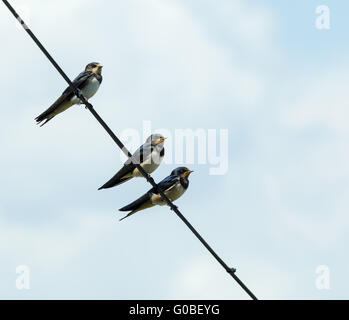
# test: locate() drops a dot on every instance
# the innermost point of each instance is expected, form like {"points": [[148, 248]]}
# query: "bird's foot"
{"points": [[81, 98], [78, 93], [174, 207]]}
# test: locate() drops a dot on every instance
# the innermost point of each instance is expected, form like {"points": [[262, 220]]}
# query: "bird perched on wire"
{"points": [[173, 186], [148, 156], [87, 82]]}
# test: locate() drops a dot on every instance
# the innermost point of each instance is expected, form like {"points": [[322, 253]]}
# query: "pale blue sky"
{"points": [[259, 68]]}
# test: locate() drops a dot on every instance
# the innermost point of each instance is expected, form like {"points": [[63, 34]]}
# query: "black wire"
{"points": [[89, 106]]}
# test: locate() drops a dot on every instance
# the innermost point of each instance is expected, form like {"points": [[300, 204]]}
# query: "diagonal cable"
{"points": [[89, 106]]}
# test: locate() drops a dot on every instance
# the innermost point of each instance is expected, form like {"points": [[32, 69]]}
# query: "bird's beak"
{"points": [[160, 140], [187, 173]]}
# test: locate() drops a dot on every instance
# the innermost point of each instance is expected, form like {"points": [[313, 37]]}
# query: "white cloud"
{"points": [[252, 27], [185, 64], [57, 243], [323, 102]]}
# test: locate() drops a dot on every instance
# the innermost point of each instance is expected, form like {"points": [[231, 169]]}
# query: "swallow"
{"points": [[148, 156], [87, 82], [173, 186]]}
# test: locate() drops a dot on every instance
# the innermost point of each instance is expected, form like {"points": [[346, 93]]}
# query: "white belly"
{"points": [[176, 192], [149, 165], [88, 91]]}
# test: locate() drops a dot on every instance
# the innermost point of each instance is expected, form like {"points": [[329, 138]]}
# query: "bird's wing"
{"points": [[141, 203], [118, 178], [166, 184], [137, 158], [144, 201], [79, 82], [64, 101], [67, 94]]}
